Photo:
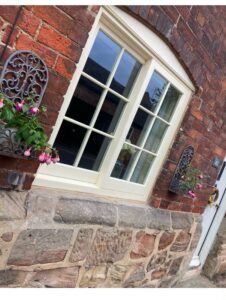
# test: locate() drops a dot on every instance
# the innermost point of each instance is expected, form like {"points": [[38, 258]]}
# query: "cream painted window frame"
{"points": [[115, 22]]}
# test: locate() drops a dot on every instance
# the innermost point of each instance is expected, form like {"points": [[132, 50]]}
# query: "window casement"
{"points": [[121, 112]]}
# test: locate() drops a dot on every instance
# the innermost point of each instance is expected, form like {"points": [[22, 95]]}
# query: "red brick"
{"points": [[198, 210], [171, 11], [155, 202], [95, 8], [52, 99], [57, 83], [25, 42], [8, 12], [59, 42], [54, 17], [49, 118], [184, 11], [80, 14], [28, 22], [65, 67], [13, 35]]}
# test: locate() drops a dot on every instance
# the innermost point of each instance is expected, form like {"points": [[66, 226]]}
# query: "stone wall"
{"points": [[215, 265], [50, 240]]}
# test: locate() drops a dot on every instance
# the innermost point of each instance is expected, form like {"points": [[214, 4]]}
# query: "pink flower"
{"points": [[200, 176], [34, 110], [191, 194], [1, 102], [42, 157], [55, 159], [19, 106], [199, 186], [27, 152]]}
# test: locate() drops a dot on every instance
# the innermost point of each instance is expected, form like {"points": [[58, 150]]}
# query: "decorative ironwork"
{"points": [[24, 73], [10, 146], [180, 171]]}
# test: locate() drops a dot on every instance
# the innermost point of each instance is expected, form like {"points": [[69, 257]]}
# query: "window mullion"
{"points": [[154, 118], [162, 98], [82, 148]]}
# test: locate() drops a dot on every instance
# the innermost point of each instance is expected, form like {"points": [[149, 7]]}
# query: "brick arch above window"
{"points": [[170, 27]]}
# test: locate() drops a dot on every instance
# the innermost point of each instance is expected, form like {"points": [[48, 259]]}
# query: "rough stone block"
{"points": [[135, 274], [117, 272], [157, 261], [144, 245], [158, 219], [166, 239], [175, 266], [82, 245], [158, 274], [182, 220], [94, 277], [131, 216], [55, 278], [14, 277], [12, 205], [39, 246], [109, 246], [7, 236], [75, 211], [181, 242]]}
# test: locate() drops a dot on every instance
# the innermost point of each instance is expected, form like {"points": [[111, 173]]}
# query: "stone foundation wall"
{"points": [[215, 265], [47, 240]]}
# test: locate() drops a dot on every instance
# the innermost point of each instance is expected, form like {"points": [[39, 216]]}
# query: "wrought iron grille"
{"points": [[180, 171], [23, 73]]}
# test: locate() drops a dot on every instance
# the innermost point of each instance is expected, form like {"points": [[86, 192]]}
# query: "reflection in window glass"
{"points": [[125, 75], [169, 103], [124, 162], [84, 101], [155, 136], [68, 141], [102, 57], [143, 165], [94, 152], [154, 91], [139, 127], [110, 113]]}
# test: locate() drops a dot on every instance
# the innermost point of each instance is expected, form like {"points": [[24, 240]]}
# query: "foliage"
{"points": [[191, 182], [24, 116]]}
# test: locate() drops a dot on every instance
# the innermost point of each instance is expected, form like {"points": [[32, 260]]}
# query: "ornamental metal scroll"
{"points": [[180, 171], [23, 74]]}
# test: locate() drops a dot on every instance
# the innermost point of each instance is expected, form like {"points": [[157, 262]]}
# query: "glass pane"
{"points": [[94, 152], [139, 127], [84, 101], [124, 162], [143, 165], [125, 75], [110, 113], [169, 103], [155, 136], [68, 141], [102, 57], [154, 91]]}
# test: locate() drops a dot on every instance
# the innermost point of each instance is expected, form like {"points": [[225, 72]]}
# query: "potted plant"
{"points": [[22, 120], [190, 182]]}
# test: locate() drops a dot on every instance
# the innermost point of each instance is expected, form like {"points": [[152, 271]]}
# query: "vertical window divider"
{"points": [[154, 117], [147, 134]]}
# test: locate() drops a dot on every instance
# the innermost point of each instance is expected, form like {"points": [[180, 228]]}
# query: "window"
{"points": [[120, 114]]}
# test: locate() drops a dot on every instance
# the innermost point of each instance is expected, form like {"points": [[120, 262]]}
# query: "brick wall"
{"points": [[39, 28], [196, 34]]}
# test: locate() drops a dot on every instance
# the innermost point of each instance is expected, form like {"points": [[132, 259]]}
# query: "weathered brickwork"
{"points": [[39, 28], [196, 34], [39, 250]]}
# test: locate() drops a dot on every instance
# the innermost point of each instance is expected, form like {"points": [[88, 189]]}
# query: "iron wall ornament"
{"points": [[24, 73], [180, 171]]}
